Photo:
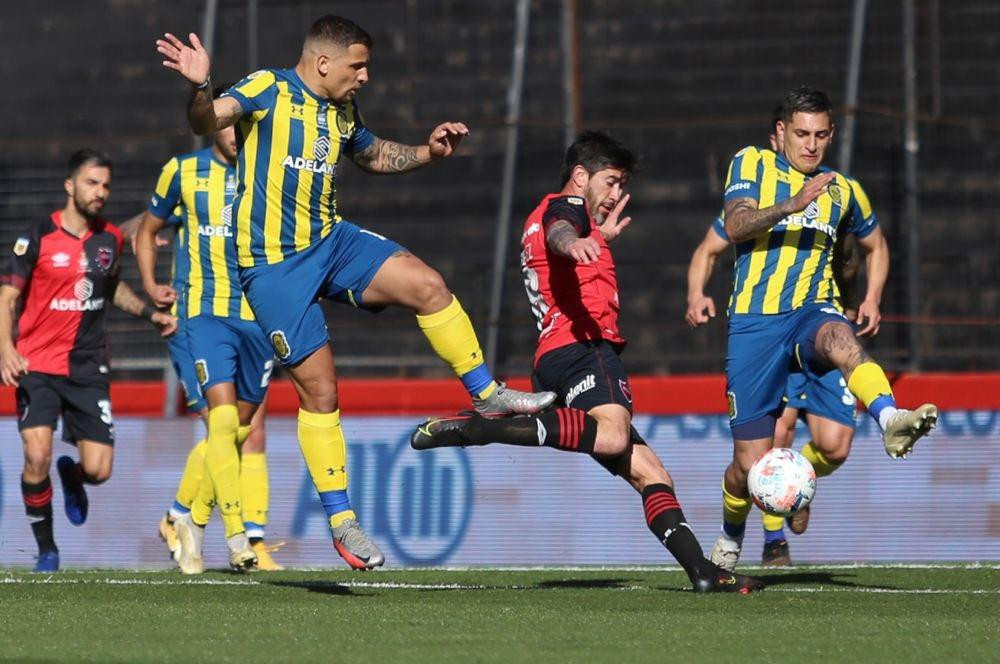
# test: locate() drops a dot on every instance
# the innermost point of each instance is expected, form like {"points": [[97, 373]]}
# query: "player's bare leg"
{"points": [[736, 501], [827, 451], [901, 429], [94, 467], [644, 471], [405, 280], [36, 489], [321, 439]]}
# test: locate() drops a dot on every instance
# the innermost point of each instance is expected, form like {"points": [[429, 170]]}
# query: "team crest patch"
{"points": [[104, 257], [836, 193], [343, 126], [21, 246], [731, 398], [626, 390], [280, 344], [201, 371]]}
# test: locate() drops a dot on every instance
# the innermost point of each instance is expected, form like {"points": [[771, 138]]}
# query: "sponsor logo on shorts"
{"points": [[280, 344], [201, 371], [21, 246], [587, 383], [831, 310], [731, 398], [626, 390]]}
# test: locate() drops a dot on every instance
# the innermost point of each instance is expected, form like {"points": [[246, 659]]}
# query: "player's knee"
{"points": [[610, 441], [37, 461], [835, 449], [320, 396], [430, 291], [96, 472]]}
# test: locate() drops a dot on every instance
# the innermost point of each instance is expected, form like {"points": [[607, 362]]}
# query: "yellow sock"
{"points": [[453, 339], [325, 451], [222, 462], [255, 492], [242, 433], [772, 522], [868, 383], [820, 463], [734, 512], [194, 469]]}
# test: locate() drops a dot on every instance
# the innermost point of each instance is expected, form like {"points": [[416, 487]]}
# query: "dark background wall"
{"points": [[687, 84]]}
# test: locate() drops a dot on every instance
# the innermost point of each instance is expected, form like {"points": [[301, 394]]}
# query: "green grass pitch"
{"points": [[930, 613]]}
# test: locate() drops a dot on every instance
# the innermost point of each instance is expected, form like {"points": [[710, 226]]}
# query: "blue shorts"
{"points": [[230, 350], [285, 296], [763, 351], [180, 357], [826, 395]]}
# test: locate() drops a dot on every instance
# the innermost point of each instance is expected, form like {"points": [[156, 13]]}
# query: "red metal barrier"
{"points": [[654, 395]]}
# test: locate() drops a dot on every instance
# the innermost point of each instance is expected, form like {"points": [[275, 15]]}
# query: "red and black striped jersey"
{"points": [[571, 301], [66, 283]]}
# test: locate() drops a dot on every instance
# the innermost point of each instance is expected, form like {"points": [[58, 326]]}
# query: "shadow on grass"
{"points": [[321, 587], [776, 578], [581, 583]]}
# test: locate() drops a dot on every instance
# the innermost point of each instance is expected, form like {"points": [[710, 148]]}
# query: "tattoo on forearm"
{"points": [[126, 300], [845, 270], [745, 221], [560, 236], [838, 346], [388, 157]]}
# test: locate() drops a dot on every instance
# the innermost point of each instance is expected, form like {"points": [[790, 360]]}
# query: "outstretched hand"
{"points": [[191, 62], [614, 223], [445, 138]]}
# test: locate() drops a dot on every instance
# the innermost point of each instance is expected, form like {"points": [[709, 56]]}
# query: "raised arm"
{"points": [[126, 300], [877, 272], [12, 365], [701, 308], [192, 62], [384, 157], [745, 221]]}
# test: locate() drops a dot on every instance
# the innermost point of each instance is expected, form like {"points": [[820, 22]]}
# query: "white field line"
{"points": [[390, 585]]}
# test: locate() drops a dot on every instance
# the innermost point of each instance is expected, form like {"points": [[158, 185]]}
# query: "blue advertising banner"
{"points": [[500, 505]]}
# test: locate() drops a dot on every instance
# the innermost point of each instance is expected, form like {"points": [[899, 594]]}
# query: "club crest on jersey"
{"points": [[836, 193], [626, 390], [731, 398], [104, 257], [201, 371], [21, 246], [280, 344], [343, 126]]}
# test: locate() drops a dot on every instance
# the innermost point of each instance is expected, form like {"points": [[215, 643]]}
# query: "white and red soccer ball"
{"points": [[782, 482]]}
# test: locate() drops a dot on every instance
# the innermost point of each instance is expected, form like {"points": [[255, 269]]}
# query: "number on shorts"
{"points": [[105, 407], [847, 398], [266, 378]]}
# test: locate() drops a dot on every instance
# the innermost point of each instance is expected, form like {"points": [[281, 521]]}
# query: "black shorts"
{"points": [[84, 403], [585, 375]]}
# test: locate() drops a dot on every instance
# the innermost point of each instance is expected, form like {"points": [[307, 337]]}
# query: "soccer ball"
{"points": [[782, 482]]}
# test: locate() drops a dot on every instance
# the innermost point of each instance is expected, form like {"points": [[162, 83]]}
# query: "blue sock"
{"points": [[734, 530], [882, 402], [774, 535], [335, 502], [477, 380]]}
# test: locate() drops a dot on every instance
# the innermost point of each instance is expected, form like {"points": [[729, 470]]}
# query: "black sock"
{"points": [[666, 520], [563, 428], [255, 540], [38, 507]]}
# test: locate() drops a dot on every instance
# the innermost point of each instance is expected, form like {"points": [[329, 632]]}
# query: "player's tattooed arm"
{"points": [[846, 264], [126, 300], [385, 157], [745, 221], [563, 239], [207, 116]]}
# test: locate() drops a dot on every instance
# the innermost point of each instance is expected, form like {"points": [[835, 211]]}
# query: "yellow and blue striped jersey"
{"points": [[197, 189], [790, 265], [290, 141]]}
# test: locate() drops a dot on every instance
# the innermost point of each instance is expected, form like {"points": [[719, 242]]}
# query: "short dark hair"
{"points": [[87, 156], [595, 151], [803, 99], [340, 31]]}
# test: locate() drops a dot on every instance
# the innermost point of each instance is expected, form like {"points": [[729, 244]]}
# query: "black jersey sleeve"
{"points": [[568, 208], [18, 260]]}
